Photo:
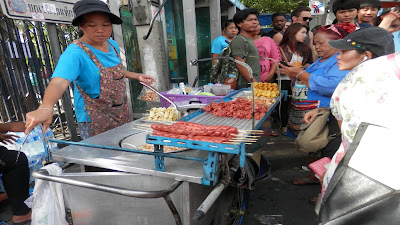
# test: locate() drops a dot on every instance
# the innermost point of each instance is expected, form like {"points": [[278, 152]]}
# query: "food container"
{"points": [[221, 89], [208, 87], [179, 98]]}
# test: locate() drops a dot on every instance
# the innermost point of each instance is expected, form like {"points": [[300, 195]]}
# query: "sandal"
{"points": [[305, 180], [274, 134]]}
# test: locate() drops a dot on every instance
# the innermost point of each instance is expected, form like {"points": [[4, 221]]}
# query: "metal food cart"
{"points": [[153, 188]]}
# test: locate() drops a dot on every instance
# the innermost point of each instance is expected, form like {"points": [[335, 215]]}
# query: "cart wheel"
{"points": [[232, 206]]}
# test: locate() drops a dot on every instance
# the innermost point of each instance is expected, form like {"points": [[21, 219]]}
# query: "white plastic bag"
{"points": [[47, 201]]}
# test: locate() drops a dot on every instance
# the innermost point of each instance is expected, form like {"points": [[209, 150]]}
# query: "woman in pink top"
{"points": [[267, 49]]}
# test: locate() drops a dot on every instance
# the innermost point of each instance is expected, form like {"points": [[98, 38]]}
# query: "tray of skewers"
{"points": [[204, 133]]}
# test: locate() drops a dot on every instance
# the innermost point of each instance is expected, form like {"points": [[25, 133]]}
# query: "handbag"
{"points": [[365, 186], [315, 135]]}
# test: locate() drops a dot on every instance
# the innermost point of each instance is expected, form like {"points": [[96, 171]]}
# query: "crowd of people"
{"points": [[326, 67]]}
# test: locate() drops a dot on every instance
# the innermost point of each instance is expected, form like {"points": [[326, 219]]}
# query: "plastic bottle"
{"points": [[182, 88], [35, 163], [231, 81], [50, 135]]}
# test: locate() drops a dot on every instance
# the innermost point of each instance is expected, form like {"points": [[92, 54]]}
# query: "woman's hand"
{"points": [[41, 115], [310, 115], [291, 71], [147, 79]]}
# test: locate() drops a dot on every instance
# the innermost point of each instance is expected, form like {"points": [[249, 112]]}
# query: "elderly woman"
{"points": [[94, 66], [315, 84]]}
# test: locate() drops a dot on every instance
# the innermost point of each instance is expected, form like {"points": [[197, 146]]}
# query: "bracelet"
{"points": [[391, 14], [297, 76], [45, 109]]}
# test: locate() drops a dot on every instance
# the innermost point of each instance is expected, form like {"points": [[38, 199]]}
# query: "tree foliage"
{"points": [[271, 6]]}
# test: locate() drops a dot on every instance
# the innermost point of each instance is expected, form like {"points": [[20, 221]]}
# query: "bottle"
{"points": [[50, 135], [182, 88], [231, 81]]}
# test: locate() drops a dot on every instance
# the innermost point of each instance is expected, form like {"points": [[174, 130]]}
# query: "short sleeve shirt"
{"points": [[219, 44], [267, 49], [76, 65], [325, 77], [244, 47]]}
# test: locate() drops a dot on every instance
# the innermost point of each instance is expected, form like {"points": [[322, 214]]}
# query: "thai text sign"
{"points": [[56, 11]]}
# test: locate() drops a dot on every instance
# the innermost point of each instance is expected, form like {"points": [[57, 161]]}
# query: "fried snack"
{"points": [[268, 90], [164, 114]]}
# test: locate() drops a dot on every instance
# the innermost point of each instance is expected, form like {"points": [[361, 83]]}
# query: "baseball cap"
{"points": [[83, 7], [374, 39]]}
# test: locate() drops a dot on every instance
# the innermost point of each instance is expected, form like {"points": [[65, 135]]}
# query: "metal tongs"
{"points": [[161, 95]]}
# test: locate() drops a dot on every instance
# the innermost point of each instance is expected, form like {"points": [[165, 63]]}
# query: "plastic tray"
{"points": [[179, 98]]}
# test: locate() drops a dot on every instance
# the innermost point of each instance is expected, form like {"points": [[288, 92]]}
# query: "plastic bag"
{"points": [[47, 201], [148, 95]]}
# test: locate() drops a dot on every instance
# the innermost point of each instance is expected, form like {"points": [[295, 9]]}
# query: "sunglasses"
{"points": [[332, 28], [307, 18]]}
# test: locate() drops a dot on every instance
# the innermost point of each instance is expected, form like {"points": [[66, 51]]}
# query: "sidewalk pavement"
{"points": [[276, 200]]}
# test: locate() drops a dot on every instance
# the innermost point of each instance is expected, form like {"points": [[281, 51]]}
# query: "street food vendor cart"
{"points": [[152, 187]]}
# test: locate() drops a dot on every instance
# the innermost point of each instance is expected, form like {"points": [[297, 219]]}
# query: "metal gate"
{"points": [[26, 65]]}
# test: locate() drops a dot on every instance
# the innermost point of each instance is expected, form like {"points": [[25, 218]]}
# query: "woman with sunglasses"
{"points": [[294, 52], [359, 98]]}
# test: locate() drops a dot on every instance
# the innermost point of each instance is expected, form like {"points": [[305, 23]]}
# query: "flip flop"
{"points": [[274, 134], [304, 181]]}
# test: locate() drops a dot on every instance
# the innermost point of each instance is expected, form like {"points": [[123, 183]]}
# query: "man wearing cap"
{"points": [[92, 63]]}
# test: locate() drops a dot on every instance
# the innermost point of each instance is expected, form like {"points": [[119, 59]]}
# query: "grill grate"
{"points": [[207, 118]]}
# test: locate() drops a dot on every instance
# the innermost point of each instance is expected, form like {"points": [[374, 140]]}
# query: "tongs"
{"points": [[161, 95]]}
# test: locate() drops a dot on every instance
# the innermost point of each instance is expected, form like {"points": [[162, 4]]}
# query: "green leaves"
{"points": [[271, 6]]}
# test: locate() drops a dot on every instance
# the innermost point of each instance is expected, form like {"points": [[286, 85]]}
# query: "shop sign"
{"points": [[317, 7], [56, 11]]}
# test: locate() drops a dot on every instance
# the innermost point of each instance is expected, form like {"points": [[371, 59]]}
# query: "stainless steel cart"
{"points": [[164, 197]]}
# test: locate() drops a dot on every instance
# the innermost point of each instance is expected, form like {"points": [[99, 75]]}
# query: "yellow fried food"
{"points": [[164, 114]]}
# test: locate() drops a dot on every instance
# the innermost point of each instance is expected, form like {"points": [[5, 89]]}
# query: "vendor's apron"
{"points": [[110, 109]]}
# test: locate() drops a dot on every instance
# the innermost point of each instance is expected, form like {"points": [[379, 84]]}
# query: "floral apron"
{"points": [[110, 109]]}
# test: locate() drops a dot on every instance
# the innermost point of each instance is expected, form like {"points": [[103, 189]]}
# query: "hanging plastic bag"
{"points": [[47, 201], [148, 95]]}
